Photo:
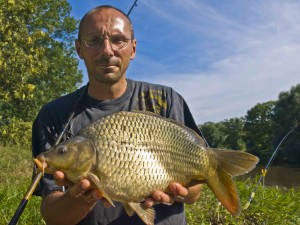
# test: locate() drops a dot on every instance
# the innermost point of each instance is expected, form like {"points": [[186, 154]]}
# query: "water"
{"points": [[278, 176]]}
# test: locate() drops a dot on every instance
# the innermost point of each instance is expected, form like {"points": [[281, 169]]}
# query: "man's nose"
{"points": [[107, 48]]}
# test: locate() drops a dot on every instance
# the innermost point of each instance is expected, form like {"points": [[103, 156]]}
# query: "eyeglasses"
{"points": [[95, 41]]}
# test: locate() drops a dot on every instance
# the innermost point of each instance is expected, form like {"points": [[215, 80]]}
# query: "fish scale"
{"points": [[129, 155]]}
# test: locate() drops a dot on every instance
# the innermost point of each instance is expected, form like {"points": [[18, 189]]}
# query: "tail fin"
{"points": [[230, 163]]}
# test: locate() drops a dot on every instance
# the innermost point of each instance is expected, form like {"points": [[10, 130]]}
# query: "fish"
{"points": [[129, 155]]}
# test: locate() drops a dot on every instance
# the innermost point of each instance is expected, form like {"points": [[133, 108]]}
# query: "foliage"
{"points": [[37, 59], [213, 133], [287, 117], [258, 129], [225, 134], [259, 125], [17, 132], [234, 133]]}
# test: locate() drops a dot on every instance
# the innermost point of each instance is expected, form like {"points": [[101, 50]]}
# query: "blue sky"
{"points": [[223, 57]]}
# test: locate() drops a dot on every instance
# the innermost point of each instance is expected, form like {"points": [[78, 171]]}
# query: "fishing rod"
{"points": [[131, 8], [39, 175], [265, 170]]}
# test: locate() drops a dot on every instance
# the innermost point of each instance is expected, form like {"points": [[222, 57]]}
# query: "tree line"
{"points": [[261, 129]]}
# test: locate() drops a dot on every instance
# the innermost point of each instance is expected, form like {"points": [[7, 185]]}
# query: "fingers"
{"points": [[159, 197], [83, 189], [178, 193], [188, 195], [178, 190], [61, 180]]}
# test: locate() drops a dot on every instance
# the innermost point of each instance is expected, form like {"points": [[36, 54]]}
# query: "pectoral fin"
{"points": [[145, 213], [95, 179]]}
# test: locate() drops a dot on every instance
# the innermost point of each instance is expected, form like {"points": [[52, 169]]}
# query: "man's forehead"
{"points": [[108, 17]]}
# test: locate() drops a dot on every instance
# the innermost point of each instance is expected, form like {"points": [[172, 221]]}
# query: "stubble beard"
{"points": [[108, 78]]}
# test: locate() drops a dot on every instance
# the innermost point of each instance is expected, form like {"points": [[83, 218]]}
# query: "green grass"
{"points": [[270, 206], [15, 178]]}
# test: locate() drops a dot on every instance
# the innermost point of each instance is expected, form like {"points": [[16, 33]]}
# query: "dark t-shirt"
{"points": [[140, 96]]}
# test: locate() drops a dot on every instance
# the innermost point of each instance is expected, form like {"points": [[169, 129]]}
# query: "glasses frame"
{"points": [[113, 47]]}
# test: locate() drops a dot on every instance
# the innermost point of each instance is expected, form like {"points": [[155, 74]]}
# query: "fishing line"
{"points": [[265, 170]]}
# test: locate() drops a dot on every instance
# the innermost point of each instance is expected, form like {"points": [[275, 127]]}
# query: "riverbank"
{"points": [[286, 176]]}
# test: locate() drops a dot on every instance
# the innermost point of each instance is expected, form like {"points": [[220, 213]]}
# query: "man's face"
{"points": [[106, 64]]}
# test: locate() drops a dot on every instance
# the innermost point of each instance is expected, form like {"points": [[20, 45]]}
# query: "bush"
{"points": [[16, 132]]}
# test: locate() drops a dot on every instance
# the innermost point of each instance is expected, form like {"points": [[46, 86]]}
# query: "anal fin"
{"points": [[147, 214], [128, 209]]}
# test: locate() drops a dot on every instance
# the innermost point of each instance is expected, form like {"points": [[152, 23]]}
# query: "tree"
{"points": [[213, 134], [225, 134], [37, 58], [287, 117], [258, 128], [233, 128]]}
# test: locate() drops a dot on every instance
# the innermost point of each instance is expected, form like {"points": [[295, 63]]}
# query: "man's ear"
{"points": [[133, 51], [78, 48]]}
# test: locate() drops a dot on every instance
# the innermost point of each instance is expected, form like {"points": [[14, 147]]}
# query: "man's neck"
{"points": [[107, 91]]}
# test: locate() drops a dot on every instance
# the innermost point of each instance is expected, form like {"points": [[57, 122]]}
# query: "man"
{"points": [[106, 44]]}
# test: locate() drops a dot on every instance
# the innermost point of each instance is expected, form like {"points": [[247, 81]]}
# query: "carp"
{"points": [[129, 155]]}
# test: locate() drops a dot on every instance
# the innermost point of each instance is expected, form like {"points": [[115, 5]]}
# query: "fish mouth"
{"points": [[42, 165]]}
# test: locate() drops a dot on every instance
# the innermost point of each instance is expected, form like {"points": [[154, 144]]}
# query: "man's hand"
{"points": [[83, 189], [188, 195]]}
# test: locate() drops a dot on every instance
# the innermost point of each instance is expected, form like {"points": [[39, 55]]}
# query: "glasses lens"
{"points": [[93, 41], [118, 42]]}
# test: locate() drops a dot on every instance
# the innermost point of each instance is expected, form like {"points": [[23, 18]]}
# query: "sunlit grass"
{"points": [[270, 206], [15, 178]]}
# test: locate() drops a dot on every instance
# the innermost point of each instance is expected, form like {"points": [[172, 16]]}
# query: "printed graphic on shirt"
{"points": [[153, 101]]}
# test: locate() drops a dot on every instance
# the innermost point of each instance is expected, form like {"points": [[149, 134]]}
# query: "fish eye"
{"points": [[61, 150]]}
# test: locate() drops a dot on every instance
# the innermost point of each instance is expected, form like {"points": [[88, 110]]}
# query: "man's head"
{"points": [[106, 44]]}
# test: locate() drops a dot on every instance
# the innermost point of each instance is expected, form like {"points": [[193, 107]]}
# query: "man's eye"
{"points": [[94, 40], [118, 39]]}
